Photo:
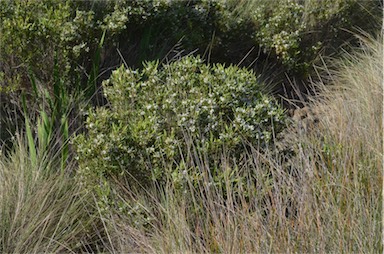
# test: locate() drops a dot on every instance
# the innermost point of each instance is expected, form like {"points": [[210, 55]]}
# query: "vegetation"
{"points": [[153, 110], [42, 209], [154, 126]]}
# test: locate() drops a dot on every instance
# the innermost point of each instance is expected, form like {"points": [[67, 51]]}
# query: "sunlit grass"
{"points": [[42, 209]]}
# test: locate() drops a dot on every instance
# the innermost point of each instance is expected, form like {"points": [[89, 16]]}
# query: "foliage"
{"points": [[31, 33], [295, 32], [38, 36], [153, 110], [205, 132], [42, 209], [298, 31], [52, 130]]}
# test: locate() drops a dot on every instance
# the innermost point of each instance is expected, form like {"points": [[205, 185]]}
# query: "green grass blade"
{"points": [[64, 149], [28, 129], [44, 130]]}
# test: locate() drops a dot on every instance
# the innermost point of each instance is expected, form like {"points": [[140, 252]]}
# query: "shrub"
{"points": [[38, 35], [293, 31], [152, 112], [296, 32], [30, 31]]}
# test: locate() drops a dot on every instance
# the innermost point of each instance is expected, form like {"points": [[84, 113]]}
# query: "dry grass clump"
{"points": [[42, 209]]}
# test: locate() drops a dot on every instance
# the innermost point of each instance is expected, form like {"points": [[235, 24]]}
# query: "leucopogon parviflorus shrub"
{"points": [[157, 115]]}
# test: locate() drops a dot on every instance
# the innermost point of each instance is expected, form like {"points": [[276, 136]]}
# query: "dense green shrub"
{"points": [[38, 35], [152, 113], [45, 38], [35, 33], [30, 30], [297, 32]]}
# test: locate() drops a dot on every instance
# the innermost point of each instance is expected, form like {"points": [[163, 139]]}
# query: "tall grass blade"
{"points": [[44, 130], [28, 129], [65, 137]]}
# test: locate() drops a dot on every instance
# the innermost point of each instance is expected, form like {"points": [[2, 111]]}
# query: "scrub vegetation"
{"points": [[207, 126]]}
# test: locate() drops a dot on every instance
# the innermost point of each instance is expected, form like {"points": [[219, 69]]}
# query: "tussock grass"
{"points": [[350, 155], [42, 209]]}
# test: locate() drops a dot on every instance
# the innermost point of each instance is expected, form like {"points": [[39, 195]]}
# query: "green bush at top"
{"points": [[152, 114], [294, 32], [36, 32], [40, 34], [30, 30]]}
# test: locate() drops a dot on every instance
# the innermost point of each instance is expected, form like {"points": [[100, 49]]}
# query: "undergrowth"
{"points": [[244, 185]]}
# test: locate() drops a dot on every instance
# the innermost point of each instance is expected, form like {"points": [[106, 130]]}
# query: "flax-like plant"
{"points": [[51, 124]]}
